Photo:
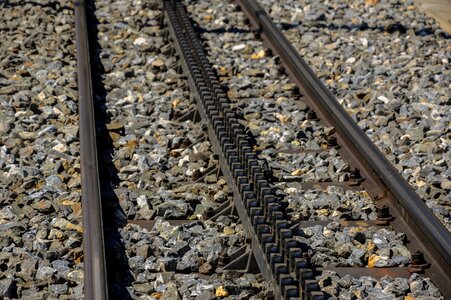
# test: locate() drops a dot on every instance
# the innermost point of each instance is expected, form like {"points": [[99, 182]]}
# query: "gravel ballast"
{"points": [[293, 146], [40, 209], [164, 166], [388, 65]]}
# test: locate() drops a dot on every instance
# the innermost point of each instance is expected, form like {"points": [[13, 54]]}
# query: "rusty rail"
{"points": [[95, 283], [383, 182]]}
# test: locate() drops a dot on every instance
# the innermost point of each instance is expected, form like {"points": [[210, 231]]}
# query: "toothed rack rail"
{"points": [[279, 255]]}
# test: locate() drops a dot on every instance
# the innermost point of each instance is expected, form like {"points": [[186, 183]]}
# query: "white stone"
{"points": [[142, 201], [139, 41], [238, 47], [364, 42], [60, 148], [383, 99], [351, 60]]}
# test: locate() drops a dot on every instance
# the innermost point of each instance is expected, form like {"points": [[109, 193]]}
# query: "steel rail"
{"points": [[277, 253], [426, 230], [199, 72], [95, 283]]}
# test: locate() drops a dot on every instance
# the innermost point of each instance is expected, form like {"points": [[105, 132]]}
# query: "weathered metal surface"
{"points": [[95, 283], [382, 181]]}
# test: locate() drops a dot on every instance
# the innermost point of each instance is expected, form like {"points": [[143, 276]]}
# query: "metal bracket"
{"points": [[242, 261]]}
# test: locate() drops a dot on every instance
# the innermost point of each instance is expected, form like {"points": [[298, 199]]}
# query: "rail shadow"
{"points": [[118, 269]]}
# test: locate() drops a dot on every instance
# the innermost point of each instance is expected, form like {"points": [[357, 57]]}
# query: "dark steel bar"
{"points": [[423, 228], [257, 249], [95, 282]]}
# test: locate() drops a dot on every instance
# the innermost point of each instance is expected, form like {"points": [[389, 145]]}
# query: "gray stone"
{"points": [[45, 272], [58, 289]]}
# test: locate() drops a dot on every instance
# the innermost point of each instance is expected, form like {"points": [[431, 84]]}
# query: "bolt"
{"points": [[383, 215], [311, 114], [331, 141], [257, 32], [208, 213], [355, 174], [417, 263], [382, 212], [418, 258]]}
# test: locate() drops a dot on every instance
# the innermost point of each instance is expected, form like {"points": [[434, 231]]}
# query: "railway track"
{"points": [[93, 242], [279, 246]]}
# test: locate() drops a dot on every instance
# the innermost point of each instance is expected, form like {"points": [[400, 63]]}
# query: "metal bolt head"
{"points": [[418, 258], [417, 263], [355, 174], [331, 141], [311, 114], [383, 211], [208, 213]]}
